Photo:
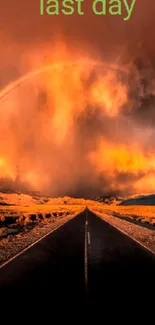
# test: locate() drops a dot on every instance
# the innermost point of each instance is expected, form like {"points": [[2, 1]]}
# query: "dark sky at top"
{"points": [[21, 22], [23, 31]]}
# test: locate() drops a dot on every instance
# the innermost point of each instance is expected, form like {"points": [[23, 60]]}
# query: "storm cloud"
{"points": [[85, 125]]}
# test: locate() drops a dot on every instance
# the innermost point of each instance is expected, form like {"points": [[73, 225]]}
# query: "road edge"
{"points": [[125, 233], [37, 241]]}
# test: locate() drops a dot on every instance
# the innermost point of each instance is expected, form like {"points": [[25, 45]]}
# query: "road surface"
{"points": [[84, 262]]}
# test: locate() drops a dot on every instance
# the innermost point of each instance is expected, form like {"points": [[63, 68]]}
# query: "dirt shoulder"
{"points": [[15, 243], [143, 235]]}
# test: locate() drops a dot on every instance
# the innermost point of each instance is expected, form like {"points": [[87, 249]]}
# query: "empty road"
{"points": [[84, 262]]}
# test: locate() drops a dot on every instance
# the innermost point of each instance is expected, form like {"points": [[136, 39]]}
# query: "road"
{"points": [[84, 262]]}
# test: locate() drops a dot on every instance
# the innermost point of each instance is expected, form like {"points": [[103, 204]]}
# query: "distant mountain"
{"points": [[140, 200], [106, 199]]}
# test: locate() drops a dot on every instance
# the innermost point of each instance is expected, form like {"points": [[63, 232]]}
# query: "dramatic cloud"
{"points": [[77, 102]]}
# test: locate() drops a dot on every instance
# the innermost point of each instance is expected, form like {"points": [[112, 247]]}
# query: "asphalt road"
{"points": [[85, 262]]}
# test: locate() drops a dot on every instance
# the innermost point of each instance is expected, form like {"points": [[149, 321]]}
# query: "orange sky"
{"points": [[84, 128]]}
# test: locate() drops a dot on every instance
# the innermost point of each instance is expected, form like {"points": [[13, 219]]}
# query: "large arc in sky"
{"points": [[14, 84]]}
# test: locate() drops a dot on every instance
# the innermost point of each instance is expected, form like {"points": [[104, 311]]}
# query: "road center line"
{"points": [[86, 257]]}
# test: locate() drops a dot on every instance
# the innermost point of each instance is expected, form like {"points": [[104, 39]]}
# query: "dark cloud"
{"points": [[24, 33]]}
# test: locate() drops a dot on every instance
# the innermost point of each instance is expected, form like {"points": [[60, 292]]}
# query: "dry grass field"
{"points": [[139, 213]]}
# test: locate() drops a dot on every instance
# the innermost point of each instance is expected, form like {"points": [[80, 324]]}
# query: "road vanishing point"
{"points": [[85, 262]]}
